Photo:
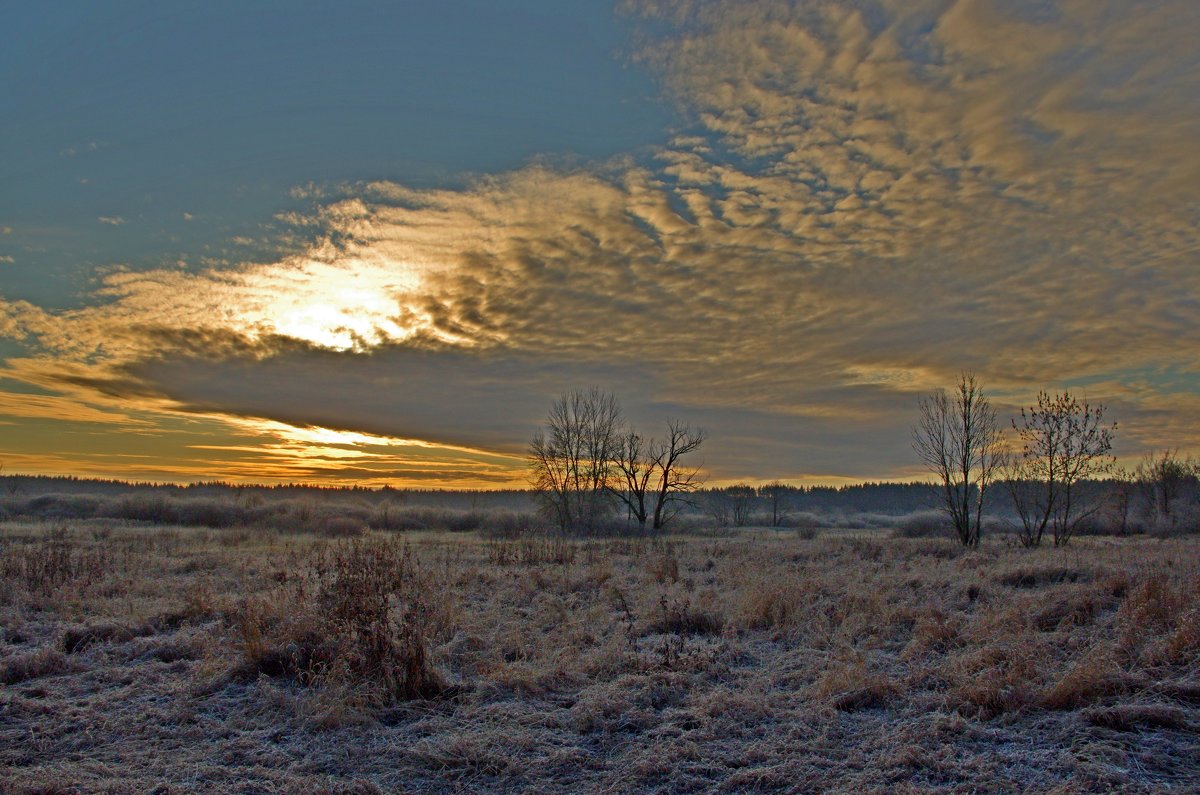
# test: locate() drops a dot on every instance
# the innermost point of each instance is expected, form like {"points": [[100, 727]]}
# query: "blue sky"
{"points": [[368, 243], [187, 125]]}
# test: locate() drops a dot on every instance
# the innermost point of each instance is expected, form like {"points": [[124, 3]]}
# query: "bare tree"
{"points": [[635, 467], [1119, 503], [1165, 480], [642, 462], [571, 459], [1062, 441], [741, 503], [957, 438], [776, 495], [675, 481]]}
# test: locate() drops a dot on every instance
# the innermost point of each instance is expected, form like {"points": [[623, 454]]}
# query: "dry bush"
{"points": [[923, 524], [511, 524], [1073, 606], [848, 685], [532, 551], [1160, 620], [994, 678], [54, 561], [342, 527], [772, 605], [361, 616], [679, 617], [78, 639], [1038, 576]]}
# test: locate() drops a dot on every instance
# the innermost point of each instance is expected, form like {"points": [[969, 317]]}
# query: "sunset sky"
{"points": [[366, 243]]}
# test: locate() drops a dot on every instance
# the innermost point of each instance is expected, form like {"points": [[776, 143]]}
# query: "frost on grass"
{"points": [[256, 661]]}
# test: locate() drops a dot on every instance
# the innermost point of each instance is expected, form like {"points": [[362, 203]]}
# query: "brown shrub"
{"points": [[679, 617], [363, 618], [848, 685], [663, 567], [994, 679], [52, 562], [342, 527], [1073, 607]]}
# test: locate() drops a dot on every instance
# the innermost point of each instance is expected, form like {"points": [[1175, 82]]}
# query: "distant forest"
{"points": [[895, 499]]}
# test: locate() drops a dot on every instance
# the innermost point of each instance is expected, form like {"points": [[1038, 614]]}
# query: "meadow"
{"points": [[137, 657]]}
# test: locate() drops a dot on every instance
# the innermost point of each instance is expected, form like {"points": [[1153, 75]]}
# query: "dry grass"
{"points": [[255, 661]]}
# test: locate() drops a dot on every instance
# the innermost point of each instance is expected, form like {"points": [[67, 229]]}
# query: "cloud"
{"points": [[111, 220], [869, 197]]}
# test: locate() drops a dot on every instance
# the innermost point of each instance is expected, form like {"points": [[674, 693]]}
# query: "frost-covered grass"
{"points": [[239, 660]]}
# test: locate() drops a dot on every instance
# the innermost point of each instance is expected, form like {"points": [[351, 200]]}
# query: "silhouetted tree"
{"points": [[775, 494], [957, 438], [571, 459], [635, 467], [675, 481], [1062, 442], [1165, 480]]}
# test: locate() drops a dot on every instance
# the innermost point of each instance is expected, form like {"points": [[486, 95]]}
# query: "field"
{"points": [[138, 658]]}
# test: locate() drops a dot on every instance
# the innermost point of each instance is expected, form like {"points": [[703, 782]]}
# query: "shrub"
{"points": [[153, 508], [923, 524], [363, 619], [342, 527], [679, 617], [54, 561], [60, 506], [215, 513]]}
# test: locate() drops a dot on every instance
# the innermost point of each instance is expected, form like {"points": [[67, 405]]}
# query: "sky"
{"points": [[363, 243]]}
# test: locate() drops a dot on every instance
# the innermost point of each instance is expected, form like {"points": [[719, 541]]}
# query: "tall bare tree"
{"points": [[957, 438], [571, 458], [635, 468], [675, 481], [651, 471], [1062, 441]]}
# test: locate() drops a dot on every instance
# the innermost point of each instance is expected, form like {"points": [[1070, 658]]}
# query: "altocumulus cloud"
{"points": [[868, 197]]}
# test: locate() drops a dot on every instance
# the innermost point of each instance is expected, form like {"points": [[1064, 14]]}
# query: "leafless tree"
{"points": [[1122, 488], [1062, 441], [652, 470], [635, 468], [675, 482], [587, 458], [957, 438], [1165, 480], [571, 459], [775, 494]]}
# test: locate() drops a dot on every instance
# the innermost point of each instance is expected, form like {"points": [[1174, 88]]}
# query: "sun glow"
{"points": [[344, 305]]}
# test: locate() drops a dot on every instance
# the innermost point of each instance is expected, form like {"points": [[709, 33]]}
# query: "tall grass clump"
{"points": [[360, 616], [53, 561]]}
